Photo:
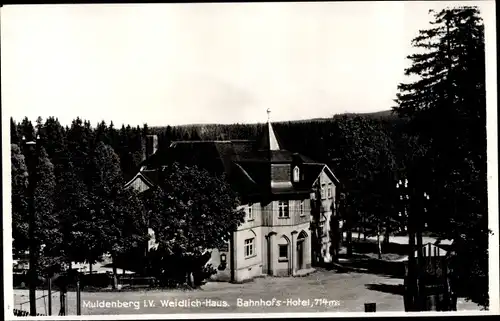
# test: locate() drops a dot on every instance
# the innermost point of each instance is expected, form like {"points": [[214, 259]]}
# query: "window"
{"points": [[329, 190], [283, 251], [249, 247], [283, 209], [250, 212], [296, 174], [323, 195], [302, 210]]}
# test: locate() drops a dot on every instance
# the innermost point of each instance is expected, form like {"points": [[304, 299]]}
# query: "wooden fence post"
{"points": [[370, 307], [78, 298], [50, 295]]}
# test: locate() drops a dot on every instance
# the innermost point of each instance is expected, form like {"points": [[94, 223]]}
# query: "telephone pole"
{"points": [[31, 153]]}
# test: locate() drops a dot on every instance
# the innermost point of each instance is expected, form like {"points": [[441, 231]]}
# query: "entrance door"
{"points": [[300, 254]]}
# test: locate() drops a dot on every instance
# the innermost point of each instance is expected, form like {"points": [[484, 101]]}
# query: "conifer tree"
{"points": [[450, 92], [26, 129], [52, 137], [14, 134]]}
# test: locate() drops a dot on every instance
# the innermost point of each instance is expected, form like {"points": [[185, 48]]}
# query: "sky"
{"points": [[171, 64]]}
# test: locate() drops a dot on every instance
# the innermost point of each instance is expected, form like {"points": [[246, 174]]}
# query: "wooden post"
{"points": [[370, 307], [78, 298], [50, 294], [32, 159], [62, 303]]}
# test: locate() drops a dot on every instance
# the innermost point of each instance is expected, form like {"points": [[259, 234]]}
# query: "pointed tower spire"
{"points": [[269, 141]]}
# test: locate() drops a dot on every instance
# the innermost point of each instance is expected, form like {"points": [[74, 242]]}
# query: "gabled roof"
{"points": [[245, 163], [329, 172], [142, 177]]}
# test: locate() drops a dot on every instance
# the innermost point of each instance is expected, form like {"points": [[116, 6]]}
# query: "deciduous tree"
{"points": [[19, 177], [192, 212]]}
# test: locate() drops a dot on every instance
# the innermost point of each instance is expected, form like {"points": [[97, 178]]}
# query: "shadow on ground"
{"points": [[397, 289], [365, 264], [372, 247]]}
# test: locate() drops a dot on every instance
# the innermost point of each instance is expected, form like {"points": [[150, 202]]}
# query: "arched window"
{"points": [[250, 245], [296, 174], [283, 248]]}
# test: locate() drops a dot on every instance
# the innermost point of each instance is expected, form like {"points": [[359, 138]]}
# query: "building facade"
{"points": [[289, 201]]}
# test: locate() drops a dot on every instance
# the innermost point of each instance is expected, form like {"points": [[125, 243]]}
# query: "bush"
{"points": [[172, 270], [100, 280]]}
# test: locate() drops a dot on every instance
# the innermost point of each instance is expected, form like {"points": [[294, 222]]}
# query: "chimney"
{"points": [[150, 145]]}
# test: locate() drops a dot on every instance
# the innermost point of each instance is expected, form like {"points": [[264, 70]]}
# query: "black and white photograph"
{"points": [[249, 159]]}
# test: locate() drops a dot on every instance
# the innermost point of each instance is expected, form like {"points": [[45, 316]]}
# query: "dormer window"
{"points": [[296, 174], [250, 213]]}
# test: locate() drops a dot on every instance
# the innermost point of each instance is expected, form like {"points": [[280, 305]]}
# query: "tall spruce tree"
{"points": [[26, 129], [14, 134], [52, 137], [450, 92]]}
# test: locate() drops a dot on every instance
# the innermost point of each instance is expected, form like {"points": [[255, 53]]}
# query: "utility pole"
{"points": [[32, 160]]}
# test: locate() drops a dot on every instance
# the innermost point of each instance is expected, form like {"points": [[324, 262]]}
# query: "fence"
{"points": [[23, 313], [136, 281]]}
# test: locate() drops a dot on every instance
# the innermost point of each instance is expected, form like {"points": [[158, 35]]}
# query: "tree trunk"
{"points": [[190, 279], [386, 238], [62, 303], [349, 240], [115, 273], [359, 233], [379, 244], [90, 268]]}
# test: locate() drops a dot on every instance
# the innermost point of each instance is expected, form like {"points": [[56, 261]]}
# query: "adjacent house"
{"points": [[289, 200]]}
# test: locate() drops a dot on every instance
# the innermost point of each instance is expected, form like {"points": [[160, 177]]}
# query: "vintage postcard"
{"points": [[261, 160]]}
